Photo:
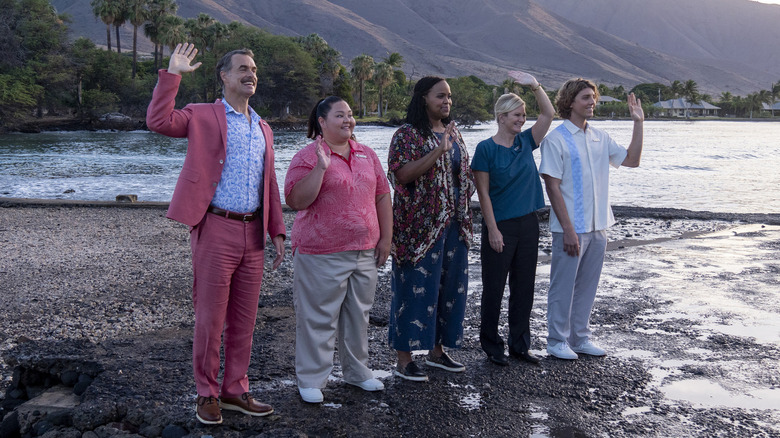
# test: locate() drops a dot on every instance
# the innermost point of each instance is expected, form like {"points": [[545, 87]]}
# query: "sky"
{"points": [[774, 2]]}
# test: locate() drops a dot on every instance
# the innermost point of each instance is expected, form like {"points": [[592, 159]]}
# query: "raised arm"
{"points": [[415, 169], [546, 110], [181, 59], [635, 147], [305, 191]]}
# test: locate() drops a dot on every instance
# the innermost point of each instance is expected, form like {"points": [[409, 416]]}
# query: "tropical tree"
{"points": [[690, 92], [726, 102], [362, 70], [471, 101], [107, 11], [327, 59], [122, 8], [676, 88], [775, 95], [383, 77], [394, 60], [754, 100], [137, 14], [172, 31], [158, 10]]}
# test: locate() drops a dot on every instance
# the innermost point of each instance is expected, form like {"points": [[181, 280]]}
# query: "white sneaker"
{"points": [[369, 385], [590, 349], [311, 395], [561, 350]]}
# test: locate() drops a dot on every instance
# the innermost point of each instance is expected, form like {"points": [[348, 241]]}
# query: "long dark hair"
{"points": [[321, 109], [416, 115]]}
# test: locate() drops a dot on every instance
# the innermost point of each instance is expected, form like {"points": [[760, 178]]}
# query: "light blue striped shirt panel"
{"points": [[581, 160], [242, 176]]}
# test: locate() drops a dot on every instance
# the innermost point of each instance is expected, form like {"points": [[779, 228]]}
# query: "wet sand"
{"points": [[687, 310]]}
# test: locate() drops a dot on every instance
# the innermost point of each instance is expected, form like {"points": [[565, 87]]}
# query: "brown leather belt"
{"points": [[231, 215]]}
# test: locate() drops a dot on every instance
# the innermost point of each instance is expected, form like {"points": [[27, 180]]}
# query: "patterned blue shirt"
{"points": [[242, 177]]}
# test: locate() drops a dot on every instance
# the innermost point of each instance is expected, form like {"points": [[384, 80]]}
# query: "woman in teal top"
{"points": [[510, 192]]}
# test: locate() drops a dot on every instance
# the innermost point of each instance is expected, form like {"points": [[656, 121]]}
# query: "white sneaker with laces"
{"points": [[311, 395], [590, 349], [561, 350], [369, 385]]}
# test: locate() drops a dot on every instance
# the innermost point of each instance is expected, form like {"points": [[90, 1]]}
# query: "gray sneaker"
{"points": [[444, 362]]}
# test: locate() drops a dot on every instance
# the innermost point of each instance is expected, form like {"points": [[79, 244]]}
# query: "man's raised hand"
{"points": [[181, 59]]}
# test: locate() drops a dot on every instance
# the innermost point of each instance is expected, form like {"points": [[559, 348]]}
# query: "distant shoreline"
{"points": [[61, 123], [620, 211]]}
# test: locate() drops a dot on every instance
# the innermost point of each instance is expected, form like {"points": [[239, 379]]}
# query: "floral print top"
{"points": [[424, 207]]}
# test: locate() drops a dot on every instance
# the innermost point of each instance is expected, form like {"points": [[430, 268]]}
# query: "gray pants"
{"points": [[333, 294], [573, 283]]}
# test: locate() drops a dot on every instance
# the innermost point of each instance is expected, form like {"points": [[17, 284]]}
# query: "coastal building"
{"points": [[682, 108], [607, 99], [770, 107]]}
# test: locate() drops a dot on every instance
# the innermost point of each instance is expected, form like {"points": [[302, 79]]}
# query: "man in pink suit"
{"points": [[228, 195]]}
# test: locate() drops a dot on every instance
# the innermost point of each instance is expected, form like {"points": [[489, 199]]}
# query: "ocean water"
{"points": [[725, 166]]}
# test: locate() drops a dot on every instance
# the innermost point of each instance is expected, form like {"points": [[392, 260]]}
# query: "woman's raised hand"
{"points": [[448, 137], [323, 158], [523, 78]]}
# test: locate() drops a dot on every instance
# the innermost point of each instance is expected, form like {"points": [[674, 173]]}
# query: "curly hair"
{"points": [[416, 115], [569, 91]]}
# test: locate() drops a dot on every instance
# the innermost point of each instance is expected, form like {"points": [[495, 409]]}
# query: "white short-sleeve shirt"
{"points": [[581, 160]]}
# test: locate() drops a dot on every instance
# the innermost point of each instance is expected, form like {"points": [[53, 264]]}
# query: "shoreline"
{"points": [[618, 210], [61, 123], [102, 291]]}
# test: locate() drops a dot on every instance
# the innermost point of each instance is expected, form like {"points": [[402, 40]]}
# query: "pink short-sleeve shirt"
{"points": [[343, 217]]}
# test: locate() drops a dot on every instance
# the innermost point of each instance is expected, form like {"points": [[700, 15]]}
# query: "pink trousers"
{"points": [[227, 265]]}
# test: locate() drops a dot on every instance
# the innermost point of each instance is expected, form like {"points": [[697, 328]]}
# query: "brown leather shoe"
{"points": [[245, 404], [207, 410]]}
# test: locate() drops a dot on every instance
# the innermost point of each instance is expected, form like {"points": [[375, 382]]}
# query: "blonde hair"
{"points": [[507, 103]]}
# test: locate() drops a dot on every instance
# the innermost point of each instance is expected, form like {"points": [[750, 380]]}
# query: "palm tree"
{"points": [[158, 10], [690, 91], [106, 10], [676, 88], [754, 100], [383, 77], [726, 101], [363, 69], [775, 95], [327, 58], [394, 60], [172, 32], [137, 13], [122, 12]]}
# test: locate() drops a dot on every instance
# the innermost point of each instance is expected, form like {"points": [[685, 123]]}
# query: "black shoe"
{"points": [[444, 362], [498, 359], [525, 356], [411, 372]]}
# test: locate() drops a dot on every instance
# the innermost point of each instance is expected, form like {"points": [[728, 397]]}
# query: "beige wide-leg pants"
{"points": [[333, 294]]}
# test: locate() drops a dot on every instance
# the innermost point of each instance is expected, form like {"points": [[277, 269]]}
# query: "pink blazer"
{"points": [[205, 127]]}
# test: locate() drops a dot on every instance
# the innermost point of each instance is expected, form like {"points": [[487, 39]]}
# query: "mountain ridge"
{"points": [[486, 38]]}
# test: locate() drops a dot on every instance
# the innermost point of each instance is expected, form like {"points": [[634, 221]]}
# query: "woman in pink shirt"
{"points": [[341, 234]]}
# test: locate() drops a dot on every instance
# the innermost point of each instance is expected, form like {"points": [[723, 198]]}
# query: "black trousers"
{"points": [[518, 261]]}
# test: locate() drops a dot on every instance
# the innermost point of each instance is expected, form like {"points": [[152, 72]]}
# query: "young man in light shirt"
{"points": [[575, 168]]}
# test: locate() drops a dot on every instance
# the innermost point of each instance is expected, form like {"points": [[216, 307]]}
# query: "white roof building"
{"points": [[679, 107]]}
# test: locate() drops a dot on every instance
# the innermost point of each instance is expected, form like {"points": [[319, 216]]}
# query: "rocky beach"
{"points": [[95, 339]]}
